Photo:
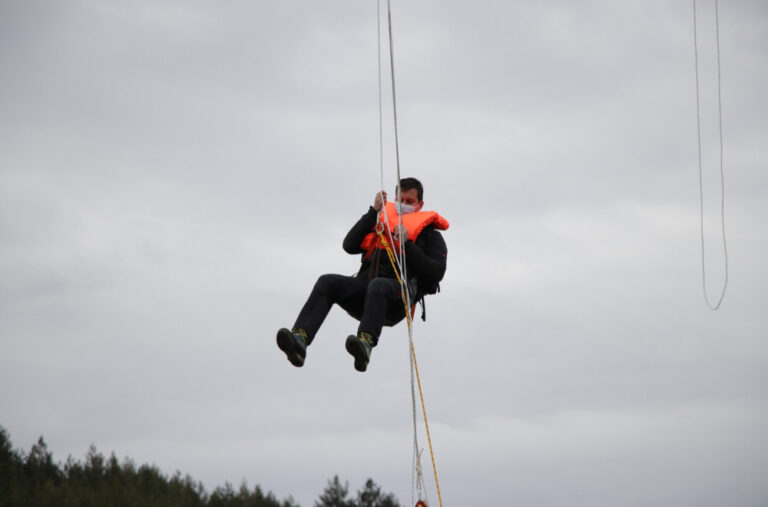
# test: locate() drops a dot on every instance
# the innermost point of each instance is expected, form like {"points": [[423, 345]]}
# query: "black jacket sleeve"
{"points": [[358, 231], [426, 258]]}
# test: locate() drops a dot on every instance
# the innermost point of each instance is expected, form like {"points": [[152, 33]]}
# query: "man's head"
{"points": [[411, 195]]}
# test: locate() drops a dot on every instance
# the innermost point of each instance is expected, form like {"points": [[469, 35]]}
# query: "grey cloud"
{"points": [[173, 178]]}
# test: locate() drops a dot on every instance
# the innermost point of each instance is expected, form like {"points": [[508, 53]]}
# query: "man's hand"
{"points": [[378, 202], [400, 233]]}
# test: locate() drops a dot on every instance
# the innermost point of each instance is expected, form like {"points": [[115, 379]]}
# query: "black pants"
{"points": [[375, 304]]}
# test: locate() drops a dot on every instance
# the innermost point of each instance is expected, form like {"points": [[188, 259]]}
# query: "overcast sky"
{"points": [[174, 175]]}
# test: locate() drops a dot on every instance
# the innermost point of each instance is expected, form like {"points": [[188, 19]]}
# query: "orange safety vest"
{"points": [[415, 223]]}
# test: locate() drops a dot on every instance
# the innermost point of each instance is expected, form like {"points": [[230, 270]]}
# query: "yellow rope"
{"points": [[426, 424], [391, 256]]}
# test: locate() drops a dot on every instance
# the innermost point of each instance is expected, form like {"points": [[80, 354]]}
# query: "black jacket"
{"points": [[425, 258]]}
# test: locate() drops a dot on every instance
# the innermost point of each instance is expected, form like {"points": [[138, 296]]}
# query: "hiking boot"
{"points": [[360, 347], [294, 344]]}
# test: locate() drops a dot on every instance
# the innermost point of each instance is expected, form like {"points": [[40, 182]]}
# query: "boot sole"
{"points": [[355, 348], [285, 342]]}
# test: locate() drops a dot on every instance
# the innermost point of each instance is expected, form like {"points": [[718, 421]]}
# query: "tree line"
{"points": [[33, 479]]}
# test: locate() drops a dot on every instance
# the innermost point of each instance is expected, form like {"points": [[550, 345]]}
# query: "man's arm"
{"points": [[365, 225], [358, 231], [427, 262]]}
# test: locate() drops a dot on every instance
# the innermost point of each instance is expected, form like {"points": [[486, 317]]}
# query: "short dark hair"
{"points": [[410, 184]]}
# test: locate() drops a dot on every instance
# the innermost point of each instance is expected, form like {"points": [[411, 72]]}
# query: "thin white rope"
{"points": [[416, 465], [394, 94], [722, 175], [401, 253], [402, 264], [417, 481], [381, 123]]}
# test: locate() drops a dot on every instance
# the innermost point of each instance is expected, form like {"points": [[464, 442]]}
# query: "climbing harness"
{"points": [[701, 177], [397, 259]]}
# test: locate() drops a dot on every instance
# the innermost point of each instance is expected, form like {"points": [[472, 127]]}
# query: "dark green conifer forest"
{"points": [[33, 479]]}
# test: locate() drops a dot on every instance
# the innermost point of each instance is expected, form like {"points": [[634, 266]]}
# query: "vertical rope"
{"points": [[400, 253], [394, 94], [381, 123], [399, 259], [414, 368], [701, 171], [426, 424], [415, 476]]}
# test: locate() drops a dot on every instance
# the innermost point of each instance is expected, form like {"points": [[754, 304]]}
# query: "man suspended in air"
{"points": [[373, 296]]}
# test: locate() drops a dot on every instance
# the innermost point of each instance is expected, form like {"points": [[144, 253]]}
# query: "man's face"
{"points": [[411, 198]]}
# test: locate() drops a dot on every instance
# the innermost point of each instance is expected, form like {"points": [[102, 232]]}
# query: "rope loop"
{"points": [[716, 306]]}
